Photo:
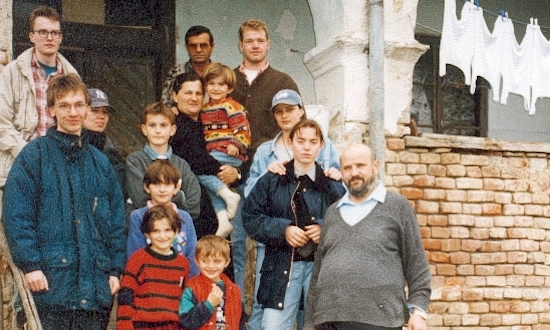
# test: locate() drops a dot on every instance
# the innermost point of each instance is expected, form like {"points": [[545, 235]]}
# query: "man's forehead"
{"points": [[199, 38], [249, 33], [42, 21], [73, 96]]}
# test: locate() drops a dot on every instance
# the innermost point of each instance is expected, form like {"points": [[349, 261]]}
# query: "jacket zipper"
{"points": [[293, 207]]}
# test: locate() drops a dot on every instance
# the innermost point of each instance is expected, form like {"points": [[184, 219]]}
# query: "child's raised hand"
{"points": [[215, 296], [232, 150], [277, 167]]}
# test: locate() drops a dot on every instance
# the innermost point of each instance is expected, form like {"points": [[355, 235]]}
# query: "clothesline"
{"points": [[515, 21]]}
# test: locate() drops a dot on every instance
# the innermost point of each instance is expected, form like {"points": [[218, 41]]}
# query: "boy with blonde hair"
{"points": [[211, 300]]}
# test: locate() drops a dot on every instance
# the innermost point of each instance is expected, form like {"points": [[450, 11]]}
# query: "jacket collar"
{"points": [[72, 146], [321, 183]]}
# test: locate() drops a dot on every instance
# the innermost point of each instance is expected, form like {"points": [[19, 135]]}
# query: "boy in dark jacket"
{"points": [[285, 212]]}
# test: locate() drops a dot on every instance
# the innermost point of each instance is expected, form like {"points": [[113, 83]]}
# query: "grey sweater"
{"points": [[360, 272]]}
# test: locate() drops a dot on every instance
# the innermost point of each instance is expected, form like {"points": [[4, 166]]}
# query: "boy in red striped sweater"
{"points": [[154, 277]]}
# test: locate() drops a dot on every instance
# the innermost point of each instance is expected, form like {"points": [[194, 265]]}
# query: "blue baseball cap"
{"points": [[99, 99], [286, 96]]}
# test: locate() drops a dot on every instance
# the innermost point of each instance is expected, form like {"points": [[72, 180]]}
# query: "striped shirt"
{"points": [[151, 288]]}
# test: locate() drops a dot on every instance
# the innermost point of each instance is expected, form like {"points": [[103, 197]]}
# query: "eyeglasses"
{"points": [[45, 33]]}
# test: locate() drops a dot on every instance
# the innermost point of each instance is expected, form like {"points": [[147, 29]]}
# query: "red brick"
{"points": [[446, 269], [534, 281], [425, 232], [504, 269], [469, 183], [432, 244], [479, 160], [396, 169], [470, 208], [529, 245], [493, 184], [412, 193], [484, 270], [484, 222], [480, 196], [423, 181], [441, 232], [479, 233], [517, 232], [479, 307], [459, 258], [445, 183], [515, 280], [471, 245], [450, 158], [455, 280], [448, 245], [490, 171], [472, 294], [500, 306], [520, 307], [492, 209], [473, 172], [456, 196], [440, 257], [490, 319], [465, 270], [437, 170], [438, 220], [450, 207], [434, 194], [490, 247], [427, 207], [395, 144]]}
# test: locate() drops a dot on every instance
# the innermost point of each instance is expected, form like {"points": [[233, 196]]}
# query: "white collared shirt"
{"points": [[352, 213]]}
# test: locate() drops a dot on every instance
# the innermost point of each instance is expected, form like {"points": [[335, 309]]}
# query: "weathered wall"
{"points": [[5, 32], [483, 210]]}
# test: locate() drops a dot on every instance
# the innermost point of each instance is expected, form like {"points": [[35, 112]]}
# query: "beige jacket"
{"points": [[18, 114]]}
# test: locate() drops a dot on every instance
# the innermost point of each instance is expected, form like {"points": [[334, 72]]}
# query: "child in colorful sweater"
{"points": [[227, 135], [154, 277], [211, 300]]}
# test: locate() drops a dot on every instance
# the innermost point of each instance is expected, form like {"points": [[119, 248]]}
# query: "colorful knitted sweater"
{"points": [[225, 123], [151, 288]]}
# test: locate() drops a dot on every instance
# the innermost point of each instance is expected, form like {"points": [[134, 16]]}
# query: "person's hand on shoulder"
{"points": [[277, 167], [333, 173]]}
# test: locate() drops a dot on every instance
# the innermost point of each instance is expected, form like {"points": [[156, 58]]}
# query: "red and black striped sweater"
{"points": [[151, 288]]}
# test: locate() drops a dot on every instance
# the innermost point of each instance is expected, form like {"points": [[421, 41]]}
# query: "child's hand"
{"points": [[215, 296], [232, 150]]}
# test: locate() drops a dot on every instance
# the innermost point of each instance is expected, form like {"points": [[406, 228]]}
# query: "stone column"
{"points": [[339, 65]]}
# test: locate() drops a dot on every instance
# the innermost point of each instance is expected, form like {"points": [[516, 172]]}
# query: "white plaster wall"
{"points": [[290, 28], [506, 122], [5, 32]]}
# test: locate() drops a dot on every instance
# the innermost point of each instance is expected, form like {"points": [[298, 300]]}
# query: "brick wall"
{"points": [[483, 210]]}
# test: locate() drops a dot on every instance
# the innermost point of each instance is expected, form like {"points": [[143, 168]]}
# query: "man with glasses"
{"points": [[23, 84], [199, 42]]}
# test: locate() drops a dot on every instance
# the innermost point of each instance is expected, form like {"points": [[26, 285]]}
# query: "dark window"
{"points": [[444, 104]]}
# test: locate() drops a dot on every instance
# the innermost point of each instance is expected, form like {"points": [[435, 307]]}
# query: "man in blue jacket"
{"points": [[64, 217]]}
